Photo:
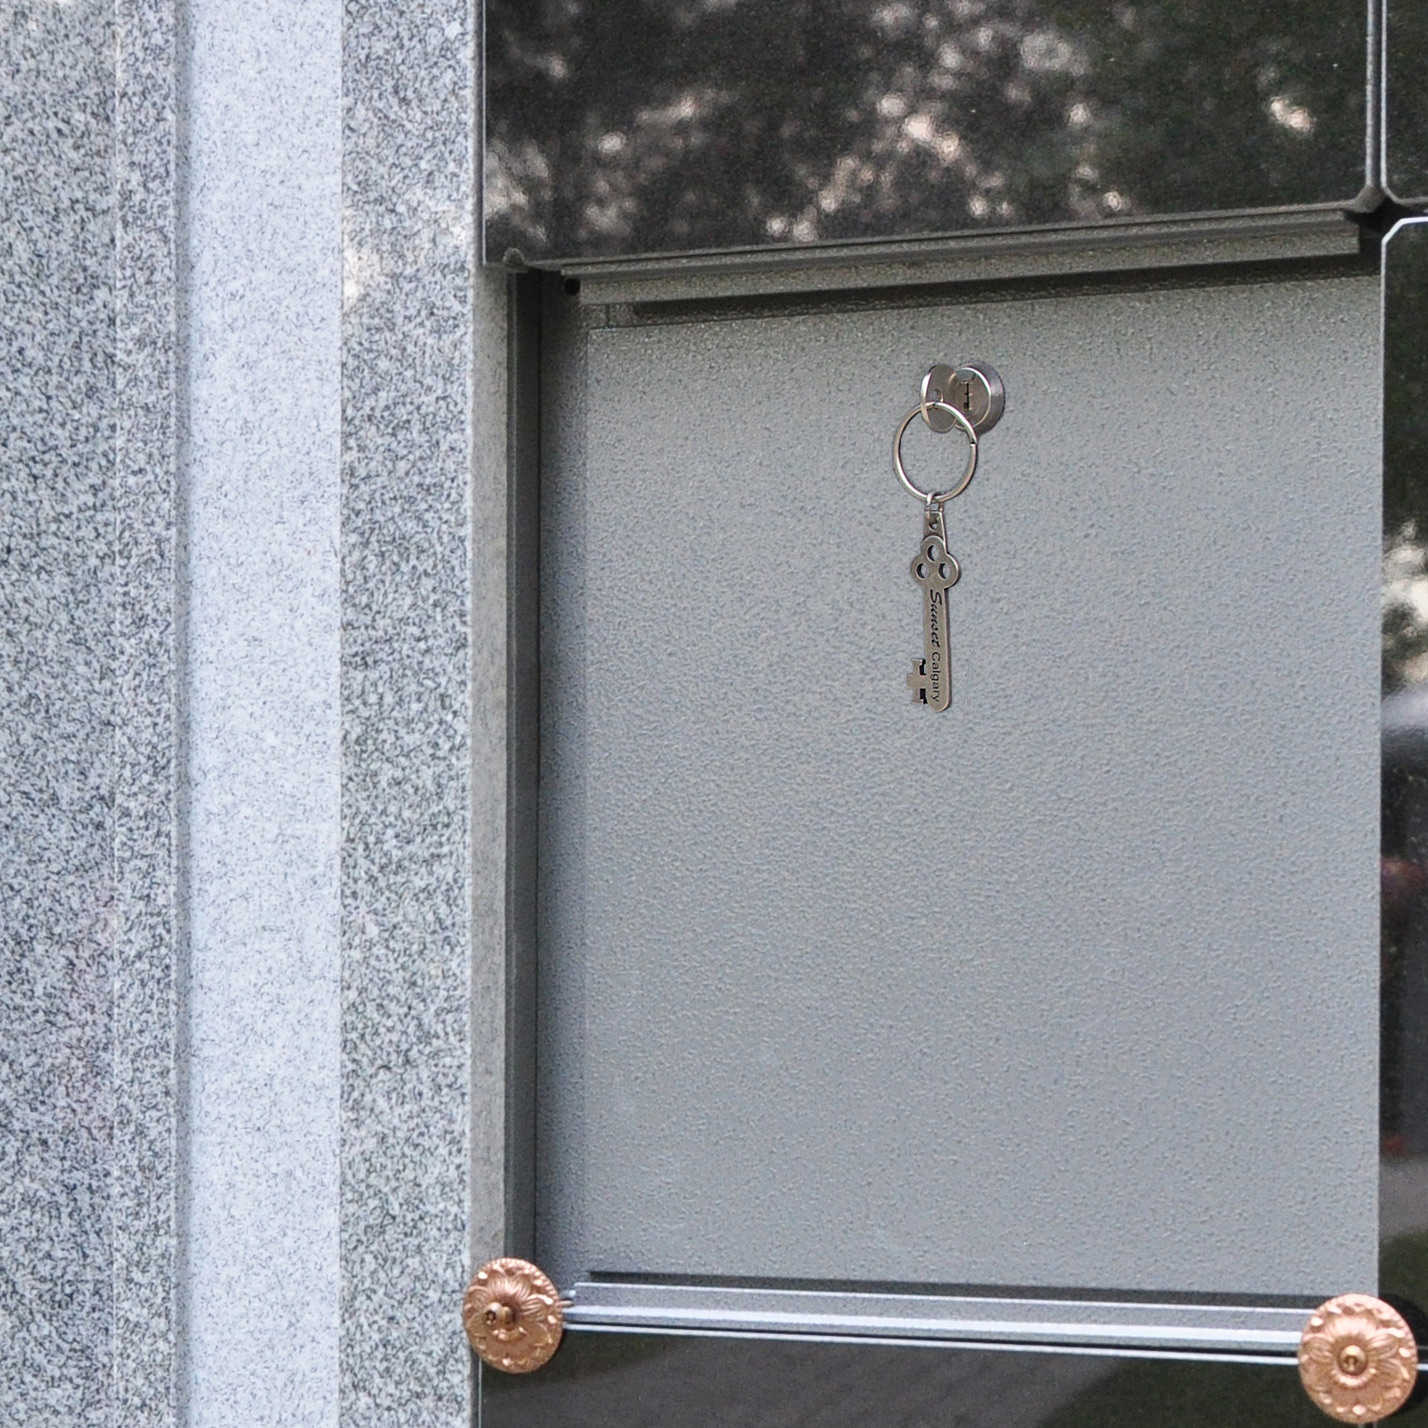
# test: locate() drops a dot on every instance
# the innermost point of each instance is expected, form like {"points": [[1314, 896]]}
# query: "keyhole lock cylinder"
{"points": [[974, 389]]}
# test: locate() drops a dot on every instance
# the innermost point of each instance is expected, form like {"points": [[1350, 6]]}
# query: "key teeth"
{"points": [[917, 681]]}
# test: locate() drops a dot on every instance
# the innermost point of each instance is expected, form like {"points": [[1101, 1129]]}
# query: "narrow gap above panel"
{"points": [[1363, 263], [1313, 233]]}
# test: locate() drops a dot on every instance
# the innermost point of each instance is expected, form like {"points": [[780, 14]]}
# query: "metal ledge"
{"points": [[1105, 248], [927, 1318]]}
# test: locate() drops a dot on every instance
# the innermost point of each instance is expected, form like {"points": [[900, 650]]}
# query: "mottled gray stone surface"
{"points": [[57, 512], [144, 1185], [261, 479], [410, 911], [111, 686], [87, 714]]}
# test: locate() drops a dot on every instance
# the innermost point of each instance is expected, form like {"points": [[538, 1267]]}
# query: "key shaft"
{"points": [[936, 571]]}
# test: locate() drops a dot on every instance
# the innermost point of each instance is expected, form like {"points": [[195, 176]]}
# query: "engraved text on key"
{"points": [[936, 571]]}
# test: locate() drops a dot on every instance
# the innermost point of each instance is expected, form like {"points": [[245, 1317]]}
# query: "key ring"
{"points": [[936, 498]]}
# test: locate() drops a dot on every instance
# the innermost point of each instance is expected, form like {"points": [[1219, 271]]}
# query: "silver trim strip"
{"points": [[1100, 248], [1205, 1329]]}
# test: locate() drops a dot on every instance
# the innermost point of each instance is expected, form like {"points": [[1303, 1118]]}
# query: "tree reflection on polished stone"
{"points": [[1403, 1044], [1406, 100], [641, 126], [643, 1381]]}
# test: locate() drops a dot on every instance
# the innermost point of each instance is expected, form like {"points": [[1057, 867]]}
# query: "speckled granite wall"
{"points": [[144, 1193], [57, 593], [87, 715], [102, 669], [414, 552], [261, 178]]}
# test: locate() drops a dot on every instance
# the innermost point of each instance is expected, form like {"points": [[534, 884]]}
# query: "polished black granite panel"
{"points": [[629, 127], [638, 1381], [1406, 100], [1403, 1105]]}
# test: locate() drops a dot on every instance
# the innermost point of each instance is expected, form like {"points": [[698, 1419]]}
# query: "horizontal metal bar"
{"points": [[875, 1317], [986, 1346], [1213, 240]]}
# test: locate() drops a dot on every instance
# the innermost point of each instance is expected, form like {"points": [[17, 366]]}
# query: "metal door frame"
{"points": [[1161, 1326]]}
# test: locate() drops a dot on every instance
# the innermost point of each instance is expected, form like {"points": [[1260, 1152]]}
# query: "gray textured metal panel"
{"points": [[1074, 986]]}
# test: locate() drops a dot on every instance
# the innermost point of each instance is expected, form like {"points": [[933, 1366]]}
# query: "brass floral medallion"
{"points": [[1357, 1359], [514, 1315]]}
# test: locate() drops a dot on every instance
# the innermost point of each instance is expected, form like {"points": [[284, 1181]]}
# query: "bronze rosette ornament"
{"points": [[1357, 1359], [514, 1315]]}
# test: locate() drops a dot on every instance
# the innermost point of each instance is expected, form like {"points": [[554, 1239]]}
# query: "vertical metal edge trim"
{"points": [[523, 752]]}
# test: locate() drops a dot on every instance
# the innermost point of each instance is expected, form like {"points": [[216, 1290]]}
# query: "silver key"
{"points": [[936, 571]]}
